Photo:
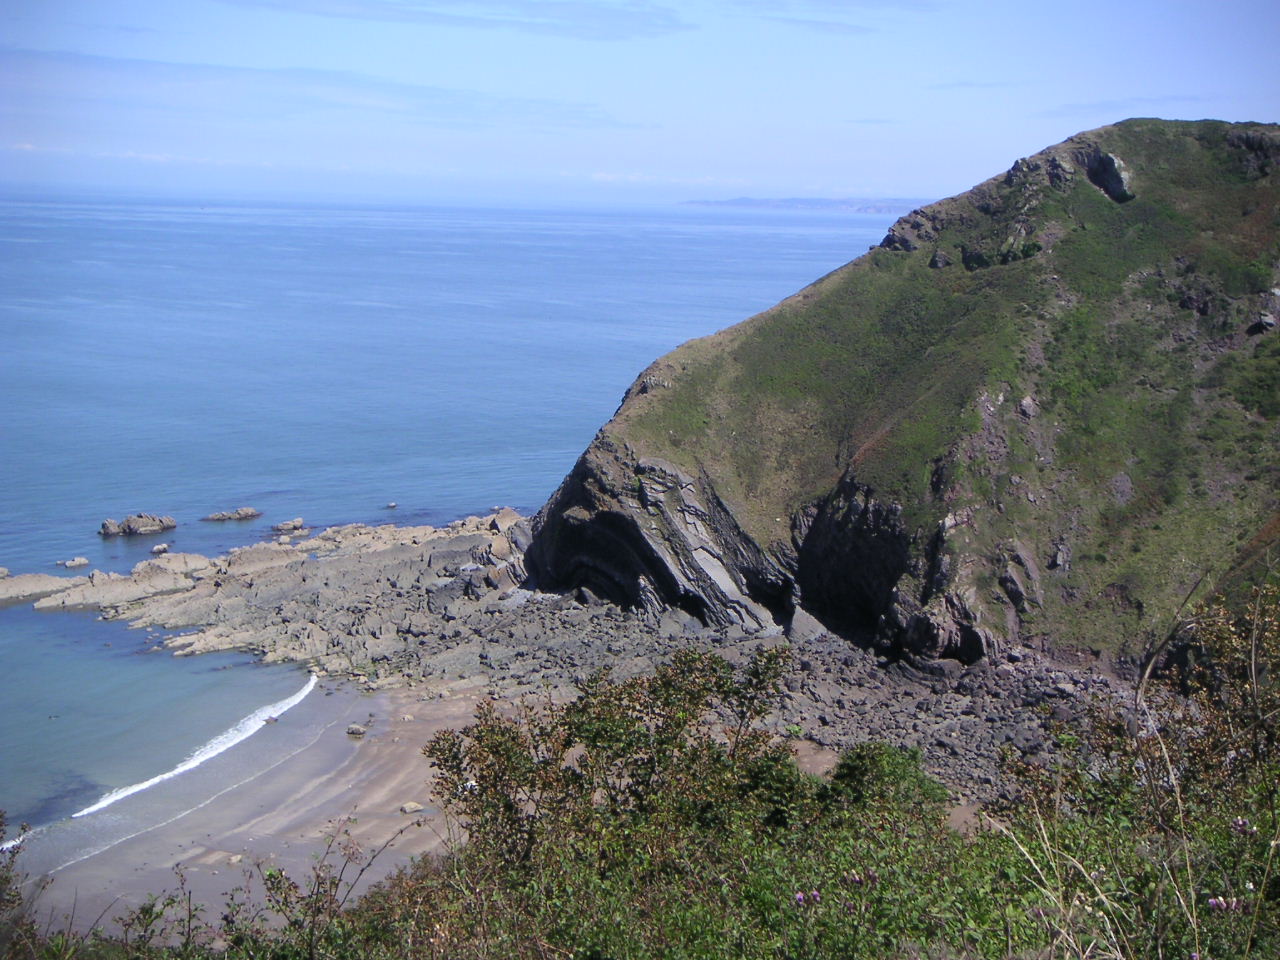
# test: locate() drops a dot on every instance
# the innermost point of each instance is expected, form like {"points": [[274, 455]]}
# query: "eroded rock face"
{"points": [[1109, 173], [644, 534]]}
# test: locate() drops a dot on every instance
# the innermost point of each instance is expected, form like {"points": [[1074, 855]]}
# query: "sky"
{"points": [[596, 101]]}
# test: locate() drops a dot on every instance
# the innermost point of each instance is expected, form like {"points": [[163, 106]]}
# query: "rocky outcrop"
{"points": [[136, 525], [25, 587], [642, 533], [167, 573], [240, 513]]}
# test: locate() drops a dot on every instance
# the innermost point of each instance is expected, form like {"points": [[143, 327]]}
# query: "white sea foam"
{"points": [[86, 854], [222, 742], [20, 838]]}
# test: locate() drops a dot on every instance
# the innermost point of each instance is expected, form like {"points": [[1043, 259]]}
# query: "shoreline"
{"points": [[280, 817], [422, 622]]}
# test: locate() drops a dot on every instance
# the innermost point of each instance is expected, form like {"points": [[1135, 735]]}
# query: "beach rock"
{"points": [[160, 548], [290, 526], [148, 579], [31, 586], [136, 524], [240, 513], [4, 572], [356, 730], [411, 806], [74, 562], [187, 564]]}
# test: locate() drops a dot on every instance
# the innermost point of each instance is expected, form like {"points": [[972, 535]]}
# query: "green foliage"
{"points": [[876, 773], [15, 923], [1254, 378], [649, 818], [1191, 781]]}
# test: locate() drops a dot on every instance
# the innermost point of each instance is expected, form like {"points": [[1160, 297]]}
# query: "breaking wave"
{"points": [[222, 742]]}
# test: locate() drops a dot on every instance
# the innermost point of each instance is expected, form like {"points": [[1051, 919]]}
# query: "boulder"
{"points": [[240, 513], [356, 730], [290, 526], [74, 562], [411, 806], [1109, 174], [136, 524], [160, 548]]}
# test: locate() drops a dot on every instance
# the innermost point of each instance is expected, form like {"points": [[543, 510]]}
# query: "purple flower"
{"points": [[799, 899], [1243, 827], [815, 896]]}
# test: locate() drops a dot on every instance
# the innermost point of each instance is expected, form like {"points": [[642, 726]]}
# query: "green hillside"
{"points": [[1069, 367]]}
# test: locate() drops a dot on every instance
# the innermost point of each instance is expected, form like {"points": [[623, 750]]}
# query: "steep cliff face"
{"points": [[1041, 411]]}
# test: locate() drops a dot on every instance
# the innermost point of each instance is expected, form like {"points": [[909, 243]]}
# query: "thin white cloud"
{"points": [[59, 83], [832, 10], [849, 17], [972, 85], [824, 26], [582, 19]]}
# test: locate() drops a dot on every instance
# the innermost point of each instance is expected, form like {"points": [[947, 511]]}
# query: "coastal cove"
{"points": [[311, 362]]}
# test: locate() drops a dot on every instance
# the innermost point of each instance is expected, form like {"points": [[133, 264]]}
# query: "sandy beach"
{"points": [[281, 817]]}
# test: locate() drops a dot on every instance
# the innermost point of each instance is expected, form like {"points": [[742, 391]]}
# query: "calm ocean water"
{"points": [[310, 362]]}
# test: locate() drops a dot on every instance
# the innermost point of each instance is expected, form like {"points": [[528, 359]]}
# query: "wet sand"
{"points": [[281, 818]]}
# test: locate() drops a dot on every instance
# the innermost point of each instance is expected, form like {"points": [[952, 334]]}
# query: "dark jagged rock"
{"points": [[643, 533], [1110, 175], [136, 525]]}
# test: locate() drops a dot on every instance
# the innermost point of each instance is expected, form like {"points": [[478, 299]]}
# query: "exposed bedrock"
{"points": [[643, 533]]}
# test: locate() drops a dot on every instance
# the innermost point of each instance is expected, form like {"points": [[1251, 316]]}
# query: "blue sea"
{"points": [[183, 358]]}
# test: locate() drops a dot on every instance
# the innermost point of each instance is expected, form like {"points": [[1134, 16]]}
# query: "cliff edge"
{"points": [[1041, 412]]}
